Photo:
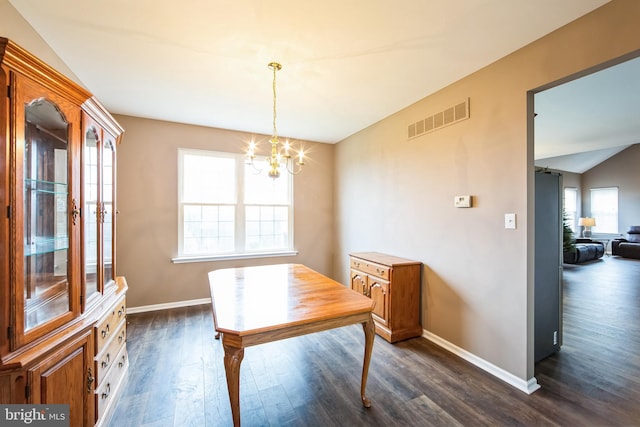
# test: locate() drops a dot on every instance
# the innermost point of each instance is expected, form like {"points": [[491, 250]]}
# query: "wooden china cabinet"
{"points": [[63, 321]]}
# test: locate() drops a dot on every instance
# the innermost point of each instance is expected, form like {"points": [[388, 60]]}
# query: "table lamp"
{"points": [[587, 223]]}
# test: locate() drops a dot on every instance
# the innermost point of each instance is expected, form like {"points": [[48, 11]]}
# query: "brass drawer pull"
{"points": [[121, 363], [105, 394], [105, 331], [105, 362]]}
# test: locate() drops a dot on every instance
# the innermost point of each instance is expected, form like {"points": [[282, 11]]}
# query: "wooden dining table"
{"points": [[256, 305]]}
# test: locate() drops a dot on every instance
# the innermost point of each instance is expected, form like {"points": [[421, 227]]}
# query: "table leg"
{"points": [[369, 335], [232, 359]]}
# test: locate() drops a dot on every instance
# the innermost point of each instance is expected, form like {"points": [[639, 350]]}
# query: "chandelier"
{"points": [[280, 157]]}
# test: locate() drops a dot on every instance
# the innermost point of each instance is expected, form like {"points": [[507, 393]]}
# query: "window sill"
{"points": [[227, 257]]}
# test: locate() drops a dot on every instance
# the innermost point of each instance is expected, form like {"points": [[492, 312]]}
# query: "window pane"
{"points": [[260, 189], [208, 179], [227, 213], [226, 229], [204, 233], [253, 228], [571, 207], [604, 208], [192, 213], [266, 214], [265, 229], [252, 213]]}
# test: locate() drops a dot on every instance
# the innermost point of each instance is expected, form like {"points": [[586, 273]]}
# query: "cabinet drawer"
{"points": [[105, 328], [381, 271], [112, 382], [108, 356]]}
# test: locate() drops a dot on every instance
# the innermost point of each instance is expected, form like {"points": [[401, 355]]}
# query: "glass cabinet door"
{"points": [[108, 170], [98, 222], [91, 213], [46, 191], [44, 214]]}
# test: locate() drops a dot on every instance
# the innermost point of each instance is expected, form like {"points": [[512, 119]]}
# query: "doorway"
{"points": [[580, 123]]}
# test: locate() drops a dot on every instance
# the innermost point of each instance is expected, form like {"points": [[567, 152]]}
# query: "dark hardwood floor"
{"points": [[176, 375]]}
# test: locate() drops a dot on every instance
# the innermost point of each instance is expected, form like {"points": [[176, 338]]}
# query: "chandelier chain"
{"points": [[275, 67]]}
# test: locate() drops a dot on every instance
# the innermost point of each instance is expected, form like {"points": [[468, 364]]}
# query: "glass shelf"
{"points": [[43, 245], [45, 186]]}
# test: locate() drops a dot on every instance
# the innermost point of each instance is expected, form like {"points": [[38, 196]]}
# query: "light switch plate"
{"points": [[462, 201], [510, 221]]}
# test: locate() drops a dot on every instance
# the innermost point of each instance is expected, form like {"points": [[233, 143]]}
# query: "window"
{"points": [[604, 208], [571, 207], [227, 208]]}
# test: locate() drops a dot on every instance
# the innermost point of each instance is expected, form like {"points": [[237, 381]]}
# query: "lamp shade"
{"points": [[587, 222]]}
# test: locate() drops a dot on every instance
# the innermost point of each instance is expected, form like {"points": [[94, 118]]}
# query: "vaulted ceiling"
{"points": [[584, 122], [346, 64]]}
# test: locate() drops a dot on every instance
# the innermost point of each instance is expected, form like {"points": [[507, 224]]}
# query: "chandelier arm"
{"points": [[256, 170], [293, 172]]}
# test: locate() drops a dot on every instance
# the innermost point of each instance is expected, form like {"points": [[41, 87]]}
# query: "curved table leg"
{"points": [[369, 335], [232, 358]]}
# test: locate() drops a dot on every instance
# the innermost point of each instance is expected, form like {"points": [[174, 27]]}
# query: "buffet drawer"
{"points": [[111, 383], [105, 328], [377, 270], [108, 356]]}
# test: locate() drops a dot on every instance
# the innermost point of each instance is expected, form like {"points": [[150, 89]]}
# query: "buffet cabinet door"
{"points": [[45, 211], [66, 377]]}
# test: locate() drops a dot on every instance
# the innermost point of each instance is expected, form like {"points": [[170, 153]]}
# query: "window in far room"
{"points": [[571, 207], [226, 208], [604, 208]]}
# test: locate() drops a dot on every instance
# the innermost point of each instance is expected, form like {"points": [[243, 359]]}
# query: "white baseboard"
{"points": [[166, 306], [527, 386]]}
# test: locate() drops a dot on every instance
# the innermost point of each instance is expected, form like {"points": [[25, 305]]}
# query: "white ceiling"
{"points": [[346, 63]]}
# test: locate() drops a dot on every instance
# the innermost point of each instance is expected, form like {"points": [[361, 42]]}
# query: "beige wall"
{"points": [[396, 196], [622, 171], [147, 233]]}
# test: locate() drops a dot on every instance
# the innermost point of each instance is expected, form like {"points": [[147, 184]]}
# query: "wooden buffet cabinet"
{"points": [[63, 318], [394, 284]]}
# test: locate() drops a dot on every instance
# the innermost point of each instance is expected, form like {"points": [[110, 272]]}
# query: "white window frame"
{"points": [[571, 212], [239, 251], [610, 212]]}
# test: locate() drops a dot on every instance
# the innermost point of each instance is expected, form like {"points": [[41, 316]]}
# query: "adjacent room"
{"points": [[414, 213]]}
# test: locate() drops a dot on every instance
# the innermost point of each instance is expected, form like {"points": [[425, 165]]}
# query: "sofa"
{"points": [[584, 250], [629, 247]]}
